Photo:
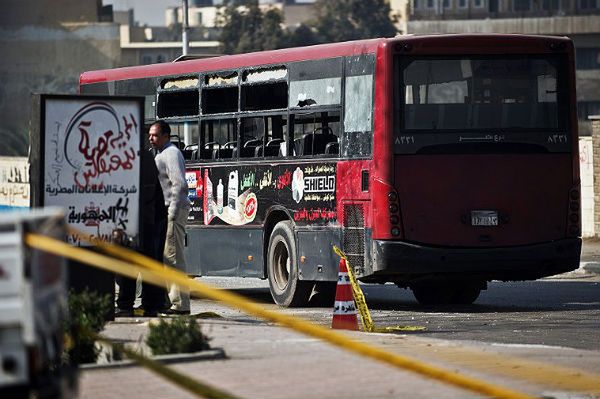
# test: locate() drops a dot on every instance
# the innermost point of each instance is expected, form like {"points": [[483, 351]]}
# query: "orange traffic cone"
{"points": [[344, 309]]}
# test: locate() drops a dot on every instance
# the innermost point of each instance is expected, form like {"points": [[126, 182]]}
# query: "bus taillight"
{"points": [[394, 215], [387, 220], [573, 219]]}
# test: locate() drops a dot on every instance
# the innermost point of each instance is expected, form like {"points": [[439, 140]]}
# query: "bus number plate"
{"points": [[484, 218]]}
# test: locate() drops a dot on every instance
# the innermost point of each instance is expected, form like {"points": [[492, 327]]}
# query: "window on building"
{"points": [[550, 5], [589, 4], [416, 4], [462, 3], [588, 58], [446, 3], [430, 3], [146, 59], [586, 109], [522, 5]]}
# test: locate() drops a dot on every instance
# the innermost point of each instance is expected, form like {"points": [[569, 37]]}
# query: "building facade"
{"points": [[45, 45], [577, 19]]}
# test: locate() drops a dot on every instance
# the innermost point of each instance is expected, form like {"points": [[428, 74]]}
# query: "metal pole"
{"points": [[185, 26], [187, 136]]}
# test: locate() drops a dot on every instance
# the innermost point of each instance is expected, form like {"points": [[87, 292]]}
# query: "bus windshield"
{"points": [[475, 93]]}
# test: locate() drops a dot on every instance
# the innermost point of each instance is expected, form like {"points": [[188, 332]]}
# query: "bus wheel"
{"points": [[467, 293], [282, 268], [433, 294]]}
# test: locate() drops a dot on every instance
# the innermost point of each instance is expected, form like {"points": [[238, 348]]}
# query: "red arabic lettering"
{"points": [[284, 180], [314, 214], [98, 158]]}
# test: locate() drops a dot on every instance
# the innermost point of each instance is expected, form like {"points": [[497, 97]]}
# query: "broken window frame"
{"points": [[279, 89], [161, 93], [208, 87], [208, 154], [314, 71], [334, 117]]}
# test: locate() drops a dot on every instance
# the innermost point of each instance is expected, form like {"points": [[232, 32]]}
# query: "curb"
{"points": [[211, 354], [590, 267]]}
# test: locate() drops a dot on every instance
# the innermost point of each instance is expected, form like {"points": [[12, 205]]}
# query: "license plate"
{"points": [[484, 218]]}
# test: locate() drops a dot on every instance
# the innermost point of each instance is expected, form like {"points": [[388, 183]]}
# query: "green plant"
{"points": [[87, 317], [180, 335]]}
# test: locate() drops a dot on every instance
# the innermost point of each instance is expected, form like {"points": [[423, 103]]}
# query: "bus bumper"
{"points": [[409, 261]]}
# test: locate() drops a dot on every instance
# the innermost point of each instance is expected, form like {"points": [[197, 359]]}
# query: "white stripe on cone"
{"points": [[343, 278], [344, 308]]}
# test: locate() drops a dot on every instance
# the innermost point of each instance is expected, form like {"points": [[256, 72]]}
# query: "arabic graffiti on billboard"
{"points": [[91, 163], [239, 195], [14, 183]]}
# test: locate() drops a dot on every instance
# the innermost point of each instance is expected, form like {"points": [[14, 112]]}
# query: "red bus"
{"points": [[437, 163]]}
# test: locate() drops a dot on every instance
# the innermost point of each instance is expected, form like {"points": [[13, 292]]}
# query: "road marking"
{"points": [[546, 375]]}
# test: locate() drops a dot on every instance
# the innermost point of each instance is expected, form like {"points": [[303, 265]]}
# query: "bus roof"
{"points": [[449, 44], [235, 61]]}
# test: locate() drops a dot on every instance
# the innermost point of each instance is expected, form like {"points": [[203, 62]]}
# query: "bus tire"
{"points": [[467, 293], [433, 294], [282, 268]]}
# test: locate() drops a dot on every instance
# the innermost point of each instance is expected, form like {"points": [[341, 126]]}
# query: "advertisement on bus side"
{"points": [[241, 194]]}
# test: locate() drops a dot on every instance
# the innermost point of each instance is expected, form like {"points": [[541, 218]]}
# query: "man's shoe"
{"points": [[174, 312], [123, 312], [149, 313]]}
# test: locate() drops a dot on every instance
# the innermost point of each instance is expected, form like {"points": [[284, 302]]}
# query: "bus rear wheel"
{"points": [[462, 293], [282, 268]]}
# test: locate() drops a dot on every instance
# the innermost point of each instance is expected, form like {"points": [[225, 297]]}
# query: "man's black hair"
{"points": [[164, 127]]}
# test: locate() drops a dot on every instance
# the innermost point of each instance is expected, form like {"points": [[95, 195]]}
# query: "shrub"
{"points": [[180, 335], [87, 317]]}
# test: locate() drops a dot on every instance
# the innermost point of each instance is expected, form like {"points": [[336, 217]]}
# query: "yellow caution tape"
{"points": [[359, 298], [361, 303], [200, 389], [156, 273]]}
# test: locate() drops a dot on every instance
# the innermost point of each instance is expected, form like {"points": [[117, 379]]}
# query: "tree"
{"points": [[342, 20], [303, 35], [245, 28]]}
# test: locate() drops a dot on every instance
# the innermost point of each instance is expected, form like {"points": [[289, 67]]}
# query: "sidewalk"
{"points": [[590, 256]]}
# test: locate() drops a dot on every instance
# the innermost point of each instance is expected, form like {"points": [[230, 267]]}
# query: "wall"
{"points": [[570, 25], [46, 59], [586, 167], [596, 169], [48, 12]]}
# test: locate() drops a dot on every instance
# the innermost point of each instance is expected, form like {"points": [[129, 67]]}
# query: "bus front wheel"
{"points": [[282, 268]]}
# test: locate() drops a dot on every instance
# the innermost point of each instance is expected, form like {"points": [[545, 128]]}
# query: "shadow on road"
{"points": [[531, 296]]}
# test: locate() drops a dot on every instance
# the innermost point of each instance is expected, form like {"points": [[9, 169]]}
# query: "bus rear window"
{"points": [[479, 93]]}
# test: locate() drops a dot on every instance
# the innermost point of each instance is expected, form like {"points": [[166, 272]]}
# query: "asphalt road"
{"points": [[562, 312], [537, 337]]}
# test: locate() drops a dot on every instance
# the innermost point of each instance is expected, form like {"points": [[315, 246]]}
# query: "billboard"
{"points": [[14, 183], [89, 162]]}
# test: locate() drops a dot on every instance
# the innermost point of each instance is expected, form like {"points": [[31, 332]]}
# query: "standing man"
{"points": [[171, 174], [154, 229]]}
